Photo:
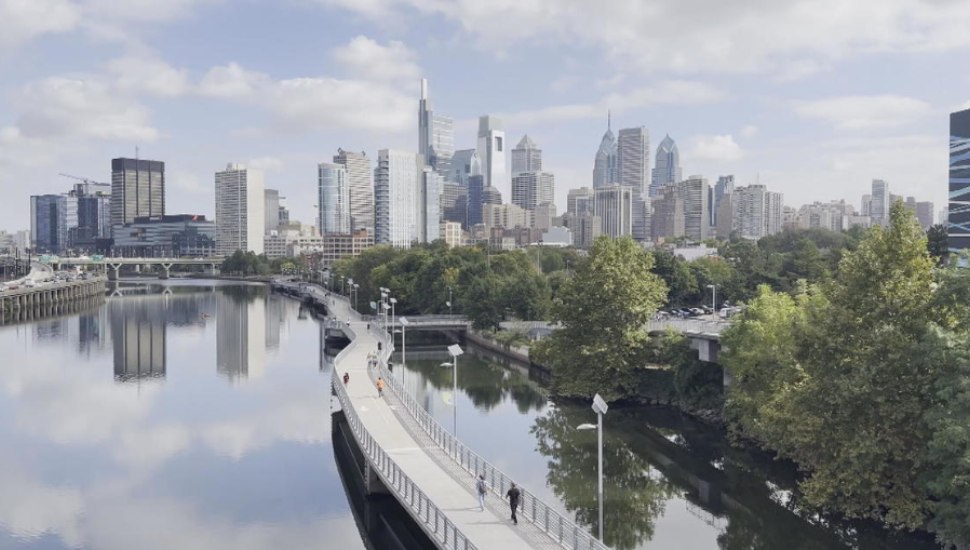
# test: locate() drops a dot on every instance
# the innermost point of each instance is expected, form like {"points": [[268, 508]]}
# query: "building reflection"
{"points": [[241, 332]]}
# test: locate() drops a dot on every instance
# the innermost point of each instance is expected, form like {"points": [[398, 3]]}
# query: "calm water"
{"points": [[200, 418]]}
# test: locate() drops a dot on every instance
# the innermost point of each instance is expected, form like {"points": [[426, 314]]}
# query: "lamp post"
{"points": [[393, 301], [713, 299], [455, 350], [342, 279], [449, 300], [404, 346], [600, 406], [383, 310], [356, 294]]}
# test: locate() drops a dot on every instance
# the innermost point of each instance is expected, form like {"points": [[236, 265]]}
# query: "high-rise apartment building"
{"points": [[530, 189], [491, 152], [757, 212], [667, 221], [667, 166], [724, 187], [137, 189], [240, 216], [436, 134], [694, 192], [633, 168], [958, 213], [604, 164], [880, 202], [924, 214], [465, 164], [271, 201], [360, 181], [398, 179], [333, 198], [454, 203], [430, 204], [614, 206], [526, 157]]}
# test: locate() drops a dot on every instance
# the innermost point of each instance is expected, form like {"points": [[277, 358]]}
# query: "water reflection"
{"points": [[241, 333]]}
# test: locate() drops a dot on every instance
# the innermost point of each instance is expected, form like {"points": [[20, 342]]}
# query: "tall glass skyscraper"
{"points": [[604, 165], [137, 189], [958, 221], [360, 179], [333, 196], [667, 167], [491, 152], [436, 134], [398, 183]]}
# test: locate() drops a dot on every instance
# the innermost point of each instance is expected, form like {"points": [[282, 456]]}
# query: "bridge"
{"points": [[704, 335], [211, 264], [426, 468]]}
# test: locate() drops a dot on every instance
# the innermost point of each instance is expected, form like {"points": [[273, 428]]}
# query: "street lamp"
{"points": [[713, 299], [455, 350], [393, 301], [342, 279], [356, 294], [449, 300], [404, 346], [600, 406]]}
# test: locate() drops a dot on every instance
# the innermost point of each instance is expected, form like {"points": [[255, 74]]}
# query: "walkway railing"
{"points": [[420, 506], [550, 521]]}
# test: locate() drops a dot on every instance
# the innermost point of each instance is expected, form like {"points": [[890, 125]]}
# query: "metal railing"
{"points": [[550, 521], [693, 326], [434, 521]]}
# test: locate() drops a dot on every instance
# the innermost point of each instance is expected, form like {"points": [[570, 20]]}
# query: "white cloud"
{"points": [[148, 74], [864, 112], [749, 131], [366, 58], [81, 107], [22, 20], [716, 148], [231, 82]]}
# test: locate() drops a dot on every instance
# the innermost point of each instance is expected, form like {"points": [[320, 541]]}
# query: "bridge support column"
{"points": [[707, 350], [113, 274], [167, 272], [372, 482]]}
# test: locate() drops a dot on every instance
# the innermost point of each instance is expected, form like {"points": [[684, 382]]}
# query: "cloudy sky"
{"points": [[813, 98]]}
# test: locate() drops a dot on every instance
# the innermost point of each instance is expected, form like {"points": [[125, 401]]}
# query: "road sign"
{"points": [[599, 405]]}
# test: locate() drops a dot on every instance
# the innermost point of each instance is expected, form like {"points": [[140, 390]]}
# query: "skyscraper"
{"points": [[958, 213], [333, 198], [633, 166], [476, 199], [580, 201], [272, 208], [924, 213], [530, 189], [137, 189], [491, 152], [240, 204], [48, 227], [436, 135], [668, 214], [667, 166], [526, 157], [757, 212], [614, 207], [398, 179], [723, 188], [880, 203], [465, 164], [360, 179], [430, 204], [604, 164], [694, 192]]}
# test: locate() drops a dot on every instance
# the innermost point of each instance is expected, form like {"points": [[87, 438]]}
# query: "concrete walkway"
{"points": [[491, 529]]}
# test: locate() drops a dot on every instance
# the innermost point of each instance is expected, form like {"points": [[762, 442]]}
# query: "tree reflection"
{"points": [[634, 492], [485, 384]]}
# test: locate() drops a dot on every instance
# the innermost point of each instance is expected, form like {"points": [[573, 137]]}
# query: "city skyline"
{"points": [[86, 85]]}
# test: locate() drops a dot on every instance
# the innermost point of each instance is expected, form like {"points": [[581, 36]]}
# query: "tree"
{"points": [[936, 237], [603, 311]]}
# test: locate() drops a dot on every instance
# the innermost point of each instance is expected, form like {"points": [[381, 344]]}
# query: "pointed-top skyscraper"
{"points": [[667, 167], [604, 167], [436, 134]]}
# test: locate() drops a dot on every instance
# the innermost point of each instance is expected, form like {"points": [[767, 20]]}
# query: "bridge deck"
{"points": [[491, 529]]}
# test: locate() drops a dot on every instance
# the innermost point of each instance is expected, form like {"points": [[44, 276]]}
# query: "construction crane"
{"points": [[86, 180]]}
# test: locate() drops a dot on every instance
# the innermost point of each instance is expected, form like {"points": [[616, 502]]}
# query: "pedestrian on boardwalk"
{"points": [[346, 378], [482, 490], [380, 387], [513, 496]]}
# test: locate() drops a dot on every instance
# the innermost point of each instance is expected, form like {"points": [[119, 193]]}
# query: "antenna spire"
{"points": [[609, 120]]}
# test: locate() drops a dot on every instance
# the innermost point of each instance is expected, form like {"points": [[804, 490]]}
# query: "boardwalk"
{"points": [[447, 485]]}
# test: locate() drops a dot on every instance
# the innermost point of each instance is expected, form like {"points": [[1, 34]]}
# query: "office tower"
{"points": [[580, 201], [240, 217], [137, 189], [272, 207], [476, 199], [430, 204], [526, 157], [138, 333], [454, 203], [530, 189], [436, 135], [880, 203], [757, 212], [866, 204], [774, 212], [723, 188], [694, 192], [633, 167], [491, 152], [667, 166], [543, 216], [924, 213], [668, 214], [398, 179], [958, 209], [284, 215], [240, 336], [360, 178], [614, 206], [48, 227], [604, 164], [491, 195], [465, 164], [333, 198]]}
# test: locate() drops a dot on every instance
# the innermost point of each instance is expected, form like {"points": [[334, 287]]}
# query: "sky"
{"points": [[813, 98]]}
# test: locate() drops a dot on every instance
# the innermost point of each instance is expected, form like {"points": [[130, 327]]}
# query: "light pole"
{"points": [[455, 350], [356, 294], [713, 299], [404, 346], [600, 406], [449, 300], [383, 310], [342, 279], [393, 301]]}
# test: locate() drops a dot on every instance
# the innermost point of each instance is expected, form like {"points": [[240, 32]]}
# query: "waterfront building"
{"points": [[137, 189], [333, 196], [614, 206], [48, 225], [360, 181], [491, 152], [666, 167], [170, 236], [334, 247], [398, 183], [958, 209], [240, 217], [436, 135]]}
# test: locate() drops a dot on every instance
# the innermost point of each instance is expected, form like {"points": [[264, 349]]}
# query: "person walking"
{"points": [[380, 386], [513, 495], [346, 378], [482, 490]]}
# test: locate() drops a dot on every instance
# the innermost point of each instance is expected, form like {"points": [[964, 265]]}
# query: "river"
{"points": [[197, 415]]}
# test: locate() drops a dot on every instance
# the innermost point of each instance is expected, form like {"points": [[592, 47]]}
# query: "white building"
{"points": [[697, 218], [505, 216], [757, 212], [530, 189], [240, 204], [451, 234], [398, 182], [430, 203], [526, 157], [333, 198], [633, 167], [360, 179], [614, 207], [491, 152]]}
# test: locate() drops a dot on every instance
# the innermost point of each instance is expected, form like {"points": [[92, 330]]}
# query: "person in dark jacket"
{"points": [[513, 495]]}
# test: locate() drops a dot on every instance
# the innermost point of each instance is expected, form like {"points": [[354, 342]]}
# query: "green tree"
{"points": [[936, 242], [603, 311]]}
